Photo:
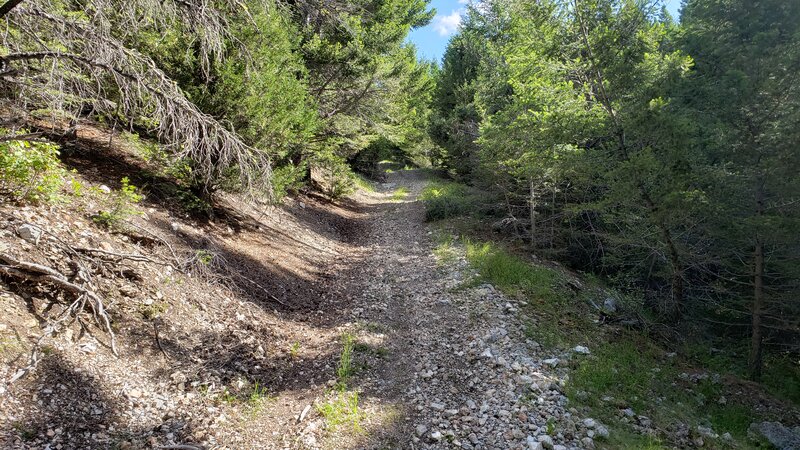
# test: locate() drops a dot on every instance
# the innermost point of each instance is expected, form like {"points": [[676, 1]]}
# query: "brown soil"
{"points": [[265, 315]]}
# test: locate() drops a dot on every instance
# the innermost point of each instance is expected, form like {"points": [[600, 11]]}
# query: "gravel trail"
{"points": [[460, 372]]}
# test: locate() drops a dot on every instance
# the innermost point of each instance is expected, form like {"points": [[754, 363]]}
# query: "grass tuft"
{"points": [[344, 370], [445, 250], [445, 200], [342, 409], [511, 274], [400, 194], [363, 183]]}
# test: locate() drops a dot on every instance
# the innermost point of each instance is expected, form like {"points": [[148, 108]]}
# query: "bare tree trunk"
{"points": [[756, 337], [552, 219], [754, 362], [533, 214]]}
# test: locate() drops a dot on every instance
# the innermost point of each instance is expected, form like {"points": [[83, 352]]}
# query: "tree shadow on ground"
{"points": [[64, 405]]}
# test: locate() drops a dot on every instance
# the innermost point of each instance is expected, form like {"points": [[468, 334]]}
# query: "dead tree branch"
{"points": [[37, 273]]}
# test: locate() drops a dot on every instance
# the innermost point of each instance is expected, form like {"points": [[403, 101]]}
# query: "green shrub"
{"points": [[446, 200], [121, 205], [31, 171], [286, 179]]}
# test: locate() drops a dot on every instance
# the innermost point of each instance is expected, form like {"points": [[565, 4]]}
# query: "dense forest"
{"points": [[660, 155], [657, 154]]}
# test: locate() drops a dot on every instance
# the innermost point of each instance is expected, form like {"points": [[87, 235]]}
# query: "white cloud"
{"points": [[447, 25]]}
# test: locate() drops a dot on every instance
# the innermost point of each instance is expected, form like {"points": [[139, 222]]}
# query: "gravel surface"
{"points": [[459, 369], [436, 364]]}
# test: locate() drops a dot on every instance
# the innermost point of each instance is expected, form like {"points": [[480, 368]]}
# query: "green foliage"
{"points": [[257, 397], [444, 200], [445, 250], [363, 183], [338, 178], [511, 274], [121, 205], [264, 94], [661, 156], [400, 194], [287, 179], [294, 350], [342, 410], [619, 369], [204, 257], [153, 310], [344, 369], [734, 419], [31, 171], [782, 377]]}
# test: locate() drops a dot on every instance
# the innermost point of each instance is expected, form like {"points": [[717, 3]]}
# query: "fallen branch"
{"points": [[158, 340], [240, 276], [38, 273], [159, 239], [121, 256], [181, 447], [51, 328]]}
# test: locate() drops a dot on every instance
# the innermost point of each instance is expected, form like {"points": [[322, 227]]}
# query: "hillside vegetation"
{"points": [[271, 224]]}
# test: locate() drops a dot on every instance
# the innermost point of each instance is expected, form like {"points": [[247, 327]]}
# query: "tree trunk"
{"points": [[8, 6], [756, 338], [754, 362], [533, 215], [674, 309]]}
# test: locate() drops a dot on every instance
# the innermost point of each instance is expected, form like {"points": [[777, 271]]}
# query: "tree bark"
{"points": [[754, 363], [8, 6], [533, 215]]}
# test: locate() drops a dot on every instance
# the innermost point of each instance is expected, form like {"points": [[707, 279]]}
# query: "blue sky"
{"points": [[431, 40]]}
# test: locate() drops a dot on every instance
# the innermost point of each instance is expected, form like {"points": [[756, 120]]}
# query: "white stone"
{"points": [[533, 444], [581, 349], [437, 406], [545, 440]]}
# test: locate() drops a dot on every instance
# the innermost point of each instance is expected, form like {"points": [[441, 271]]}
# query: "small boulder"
{"points": [[780, 436], [533, 444], [552, 362], [30, 233], [545, 440], [581, 350]]}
